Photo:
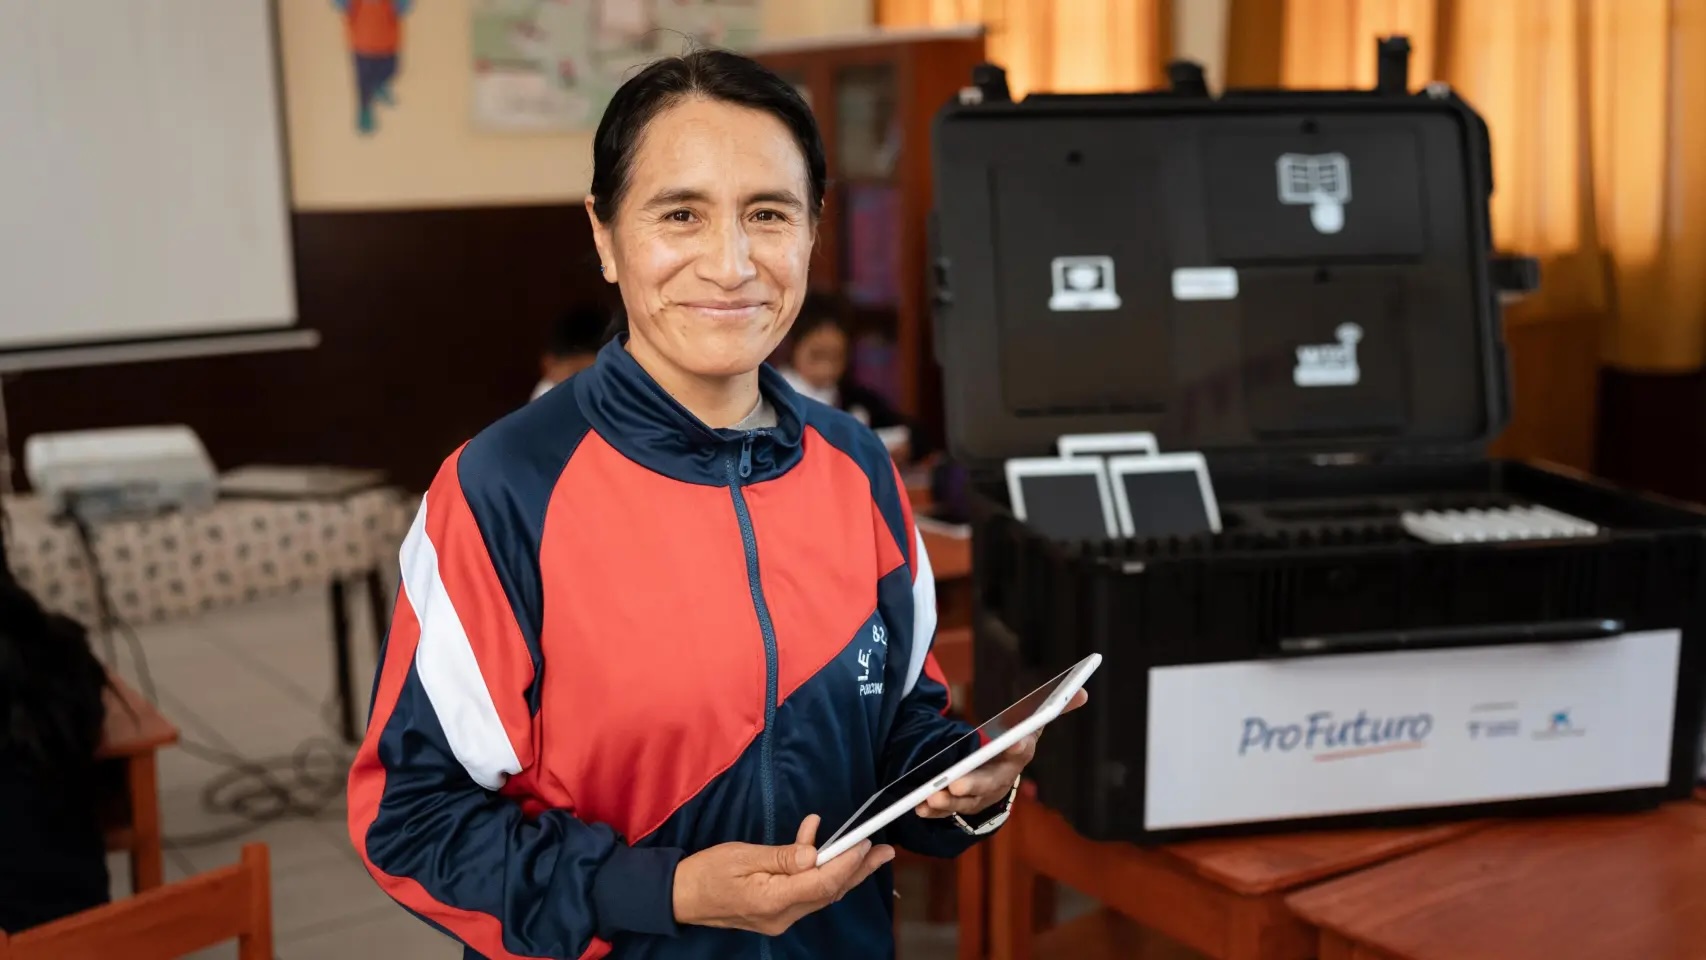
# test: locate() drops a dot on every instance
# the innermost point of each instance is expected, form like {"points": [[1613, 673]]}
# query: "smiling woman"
{"points": [[671, 615], [707, 186]]}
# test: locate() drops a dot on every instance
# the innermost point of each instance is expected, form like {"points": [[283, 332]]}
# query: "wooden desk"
{"points": [[134, 731], [950, 560], [1581, 888], [1224, 898], [950, 557]]}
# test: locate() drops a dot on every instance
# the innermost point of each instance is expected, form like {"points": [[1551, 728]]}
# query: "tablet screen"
{"points": [[926, 770], [1065, 506], [1165, 503]]}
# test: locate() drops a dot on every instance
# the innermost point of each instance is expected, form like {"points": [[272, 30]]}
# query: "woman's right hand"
{"points": [[745, 886]]}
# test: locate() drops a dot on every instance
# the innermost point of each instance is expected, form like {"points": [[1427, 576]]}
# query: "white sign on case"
{"points": [[1249, 742]]}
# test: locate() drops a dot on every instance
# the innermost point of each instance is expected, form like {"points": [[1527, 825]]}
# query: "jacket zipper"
{"points": [[738, 473]]}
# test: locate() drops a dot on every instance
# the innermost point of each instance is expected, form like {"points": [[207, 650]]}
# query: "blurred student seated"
{"points": [[53, 859], [575, 341], [817, 368]]}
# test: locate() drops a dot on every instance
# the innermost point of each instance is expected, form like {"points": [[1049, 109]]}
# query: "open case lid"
{"points": [[1262, 276]]}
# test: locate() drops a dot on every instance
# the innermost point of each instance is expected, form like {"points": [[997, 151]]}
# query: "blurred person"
{"points": [[53, 855], [660, 625], [817, 367], [575, 339]]}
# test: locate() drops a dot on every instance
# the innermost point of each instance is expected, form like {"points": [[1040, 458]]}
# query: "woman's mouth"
{"points": [[725, 310]]}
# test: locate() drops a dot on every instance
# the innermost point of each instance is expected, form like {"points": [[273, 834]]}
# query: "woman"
{"points": [[817, 368], [53, 857], [661, 623]]}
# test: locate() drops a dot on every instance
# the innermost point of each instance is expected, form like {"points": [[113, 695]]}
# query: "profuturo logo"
{"points": [[1328, 737]]}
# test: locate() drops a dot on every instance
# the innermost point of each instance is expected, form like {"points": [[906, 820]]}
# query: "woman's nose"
{"points": [[728, 259]]}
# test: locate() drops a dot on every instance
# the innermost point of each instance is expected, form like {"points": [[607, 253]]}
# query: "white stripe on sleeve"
{"points": [[923, 611], [448, 669]]}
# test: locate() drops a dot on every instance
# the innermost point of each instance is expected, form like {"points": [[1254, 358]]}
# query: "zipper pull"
{"points": [[746, 457]]}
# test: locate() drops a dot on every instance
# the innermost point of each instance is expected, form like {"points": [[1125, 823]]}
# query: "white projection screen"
{"points": [[143, 191]]}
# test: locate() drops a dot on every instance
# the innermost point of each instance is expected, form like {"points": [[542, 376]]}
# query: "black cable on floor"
{"points": [[303, 784]]}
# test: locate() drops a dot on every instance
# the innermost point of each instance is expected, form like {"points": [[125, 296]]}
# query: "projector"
{"points": [[101, 475]]}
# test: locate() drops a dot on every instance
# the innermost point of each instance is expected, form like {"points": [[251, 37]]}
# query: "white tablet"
{"points": [[1107, 444], [1167, 494], [1006, 728], [1062, 499]]}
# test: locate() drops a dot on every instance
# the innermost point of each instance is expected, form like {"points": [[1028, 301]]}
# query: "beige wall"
{"points": [[427, 152]]}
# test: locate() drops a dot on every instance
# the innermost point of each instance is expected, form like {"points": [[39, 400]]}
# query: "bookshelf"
{"points": [[875, 95]]}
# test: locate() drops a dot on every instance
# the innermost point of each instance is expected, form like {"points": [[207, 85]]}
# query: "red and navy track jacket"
{"points": [[623, 637]]}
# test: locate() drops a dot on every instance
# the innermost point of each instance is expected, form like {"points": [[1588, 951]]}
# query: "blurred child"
{"points": [[817, 368], [575, 341]]}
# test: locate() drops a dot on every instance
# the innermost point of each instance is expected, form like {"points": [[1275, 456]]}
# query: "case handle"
{"points": [[1435, 638], [940, 286]]}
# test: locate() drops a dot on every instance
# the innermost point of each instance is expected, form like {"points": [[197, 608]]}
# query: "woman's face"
{"points": [[820, 357], [712, 240]]}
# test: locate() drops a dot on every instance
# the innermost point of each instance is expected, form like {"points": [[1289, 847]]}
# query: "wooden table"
{"points": [[950, 557], [181, 564], [1578, 888], [134, 731], [955, 886], [1224, 898]]}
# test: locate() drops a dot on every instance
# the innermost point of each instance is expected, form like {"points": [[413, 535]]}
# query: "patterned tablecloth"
{"points": [[181, 564]]}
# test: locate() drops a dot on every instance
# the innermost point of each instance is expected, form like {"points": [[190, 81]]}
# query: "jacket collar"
{"points": [[645, 424]]}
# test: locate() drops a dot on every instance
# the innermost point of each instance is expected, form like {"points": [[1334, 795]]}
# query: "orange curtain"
{"points": [[1329, 43], [1059, 46], [1597, 110]]}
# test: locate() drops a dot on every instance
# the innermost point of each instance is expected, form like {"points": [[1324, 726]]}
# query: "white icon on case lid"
{"points": [[1321, 181], [1083, 283]]}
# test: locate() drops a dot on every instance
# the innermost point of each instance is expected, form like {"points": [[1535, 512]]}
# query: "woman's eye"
{"points": [[682, 216], [767, 216]]}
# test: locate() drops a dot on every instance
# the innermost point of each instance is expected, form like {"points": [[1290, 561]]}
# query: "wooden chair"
{"points": [[167, 922]]}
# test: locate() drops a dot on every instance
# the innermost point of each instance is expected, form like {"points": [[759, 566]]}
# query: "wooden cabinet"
{"points": [[875, 96]]}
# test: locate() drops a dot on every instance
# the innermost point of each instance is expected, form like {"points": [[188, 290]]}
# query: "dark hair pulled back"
{"points": [[711, 74]]}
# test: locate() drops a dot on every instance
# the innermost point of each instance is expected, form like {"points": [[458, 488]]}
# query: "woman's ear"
{"points": [[602, 239]]}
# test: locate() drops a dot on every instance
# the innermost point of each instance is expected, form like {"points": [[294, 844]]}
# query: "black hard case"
{"points": [[1310, 486]]}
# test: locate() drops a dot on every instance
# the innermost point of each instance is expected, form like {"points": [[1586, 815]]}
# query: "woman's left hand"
{"points": [[989, 784]]}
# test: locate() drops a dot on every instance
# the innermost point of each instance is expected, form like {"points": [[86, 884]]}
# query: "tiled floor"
{"points": [[256, 681]]}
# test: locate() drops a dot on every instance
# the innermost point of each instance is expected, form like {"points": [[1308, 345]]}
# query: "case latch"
{"points": [[1186, 79], [988, 85], [1393, 71]]}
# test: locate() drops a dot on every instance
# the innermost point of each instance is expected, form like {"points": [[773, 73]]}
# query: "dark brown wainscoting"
{"points": [[431, 323]]}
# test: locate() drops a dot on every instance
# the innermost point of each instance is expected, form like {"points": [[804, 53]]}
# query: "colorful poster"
{"points": [[554, 64], [374, 31]]}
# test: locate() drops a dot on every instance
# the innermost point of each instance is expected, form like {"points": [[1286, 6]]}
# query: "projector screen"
{"points": [[142, 175]]}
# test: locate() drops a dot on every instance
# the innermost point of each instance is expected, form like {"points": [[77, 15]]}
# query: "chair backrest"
{"points": [[167, 922]]}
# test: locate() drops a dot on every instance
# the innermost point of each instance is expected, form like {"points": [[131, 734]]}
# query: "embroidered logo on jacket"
{"points": [[867, 686]]}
